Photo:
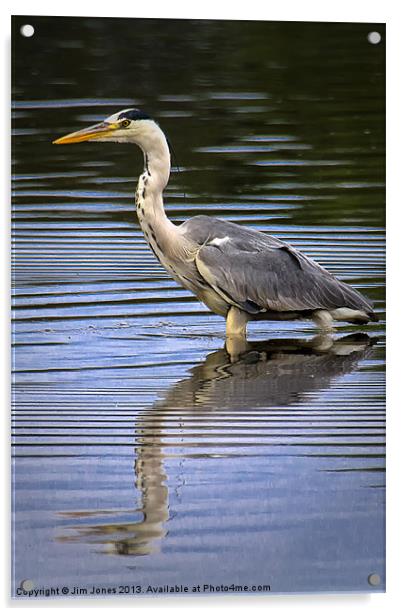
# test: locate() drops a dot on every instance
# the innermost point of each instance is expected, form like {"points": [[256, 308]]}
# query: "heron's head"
{"points": [[127, 126]]}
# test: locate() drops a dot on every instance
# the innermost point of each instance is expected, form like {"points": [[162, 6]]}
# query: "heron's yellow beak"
{"points": [[97, 131]]}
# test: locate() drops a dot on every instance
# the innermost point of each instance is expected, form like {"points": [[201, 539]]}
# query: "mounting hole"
{"points": [[374, 38], [27, 585], [374, 579], [27, 30]]}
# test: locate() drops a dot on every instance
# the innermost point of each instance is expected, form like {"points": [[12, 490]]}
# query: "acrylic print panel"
{"points": [[151, 456]]}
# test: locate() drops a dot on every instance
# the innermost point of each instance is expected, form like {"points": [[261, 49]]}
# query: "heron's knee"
{"points": [[323, 319], [236, 322]]}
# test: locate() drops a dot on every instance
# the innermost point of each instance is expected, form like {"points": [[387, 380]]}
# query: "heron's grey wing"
{"points": [[261, 273]]}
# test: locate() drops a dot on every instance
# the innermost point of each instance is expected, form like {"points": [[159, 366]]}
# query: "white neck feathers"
{"points": [[153, 143]]}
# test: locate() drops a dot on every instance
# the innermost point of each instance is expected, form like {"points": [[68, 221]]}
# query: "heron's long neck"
{"points": [[158, 229]]}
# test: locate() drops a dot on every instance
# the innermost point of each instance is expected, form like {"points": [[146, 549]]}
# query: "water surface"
{"points": [[144, 454]]}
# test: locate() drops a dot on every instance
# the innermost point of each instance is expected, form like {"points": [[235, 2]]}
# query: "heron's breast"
{"points": [[176, 261], [180, 271]]}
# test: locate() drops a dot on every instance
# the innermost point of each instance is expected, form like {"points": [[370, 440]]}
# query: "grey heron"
{"points": [[239, 273]]}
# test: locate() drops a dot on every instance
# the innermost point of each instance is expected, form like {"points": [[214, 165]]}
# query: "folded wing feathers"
{"points": [[260, 272]]}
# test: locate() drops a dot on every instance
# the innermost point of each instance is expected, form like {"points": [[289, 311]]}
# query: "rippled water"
{"points": [[143, 454]]}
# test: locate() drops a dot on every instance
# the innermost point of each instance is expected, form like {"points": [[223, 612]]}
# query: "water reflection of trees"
{"points": [[269, 373]]}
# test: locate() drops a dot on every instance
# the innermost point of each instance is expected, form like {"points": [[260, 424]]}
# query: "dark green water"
{"points": [[142, 454]]}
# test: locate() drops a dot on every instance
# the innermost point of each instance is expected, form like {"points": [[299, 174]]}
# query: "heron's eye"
{"points": [[125, 123]]}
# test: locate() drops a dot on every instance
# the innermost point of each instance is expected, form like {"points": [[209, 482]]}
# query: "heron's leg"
{"points": [[236, 322], [323, 320], [235, 347]]}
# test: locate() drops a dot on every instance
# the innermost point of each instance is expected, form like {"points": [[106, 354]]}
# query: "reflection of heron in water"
{"points": [[267, 374]]}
